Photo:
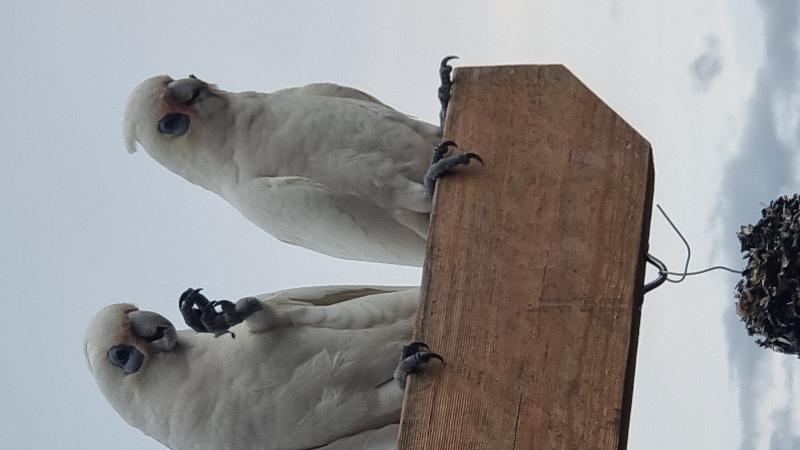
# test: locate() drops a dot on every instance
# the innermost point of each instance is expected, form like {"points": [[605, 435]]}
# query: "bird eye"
{"points": [[119, 354], [174, 124], [126, 357]]}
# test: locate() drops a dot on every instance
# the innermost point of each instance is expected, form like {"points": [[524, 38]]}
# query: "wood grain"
{"points": [[535, 262]]}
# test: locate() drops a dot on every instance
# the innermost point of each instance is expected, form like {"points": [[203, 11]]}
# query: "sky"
{"points": [[712, 84]]}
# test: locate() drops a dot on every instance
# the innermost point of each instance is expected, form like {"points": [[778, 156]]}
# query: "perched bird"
{"points": [[308, 368], [325, 167]]}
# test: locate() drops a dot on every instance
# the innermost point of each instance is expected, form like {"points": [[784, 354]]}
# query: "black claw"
{"points": [[219, 321], [447, 59], [474, 156], [414, 347], [203, 316], [441, 150], [192, 304], [442, 165], [412, 358], [445, 69]]}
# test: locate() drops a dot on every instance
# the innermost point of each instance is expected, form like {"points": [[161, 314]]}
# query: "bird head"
{"points": [[120, 341], [172, 119]]}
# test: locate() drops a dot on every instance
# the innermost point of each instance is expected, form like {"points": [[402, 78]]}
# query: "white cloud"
{"points": [[761, 170]]}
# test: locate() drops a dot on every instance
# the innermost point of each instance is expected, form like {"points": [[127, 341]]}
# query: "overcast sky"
{"points": [[713, 86]]}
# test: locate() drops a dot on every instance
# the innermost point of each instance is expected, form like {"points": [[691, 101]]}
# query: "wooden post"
{"points": [[533, 280]]}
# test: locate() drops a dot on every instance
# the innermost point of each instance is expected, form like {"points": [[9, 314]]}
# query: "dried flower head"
{"points": [[769, 294]]}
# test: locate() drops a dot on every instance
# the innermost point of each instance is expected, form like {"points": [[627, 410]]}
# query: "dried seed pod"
{"points": [[769, 293]]}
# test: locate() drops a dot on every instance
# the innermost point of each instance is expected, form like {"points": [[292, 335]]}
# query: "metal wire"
{"points": [[663, 273], [698, 272]]}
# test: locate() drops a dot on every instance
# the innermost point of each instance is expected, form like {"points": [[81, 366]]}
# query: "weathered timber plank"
{"points": [[532, 284]]}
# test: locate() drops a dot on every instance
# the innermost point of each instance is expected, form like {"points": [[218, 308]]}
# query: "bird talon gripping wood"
{"points": [[446, 84], [413, 357]]}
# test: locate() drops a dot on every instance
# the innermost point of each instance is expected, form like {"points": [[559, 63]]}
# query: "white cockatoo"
{"points": [[307, 368], [325, 167]]}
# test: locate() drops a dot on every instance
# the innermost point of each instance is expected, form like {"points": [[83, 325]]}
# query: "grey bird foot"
{"points": [[442, 165], [412, 358], [441, 150], [445, 69], [218, 316]]}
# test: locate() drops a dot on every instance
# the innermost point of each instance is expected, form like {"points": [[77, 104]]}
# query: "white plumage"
{"points": [[325, 167], [312, 369]]}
